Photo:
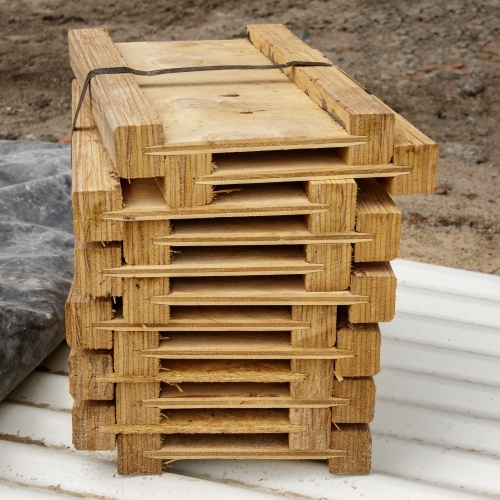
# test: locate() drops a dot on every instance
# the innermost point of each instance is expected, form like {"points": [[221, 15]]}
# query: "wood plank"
{"points": [[218, 318], [377, 214], [356, 440], [86, 417], [378, 281], [296, 165], [235, 395], [340, 196], [251, 446], [95, 186], [349, 103], [336, 272], [227, 110], [126, 121], [226, 261], [414, 149], [144, 201], [212, 370], [361, 395], [81, 313], [243, 345], [90, 259], [137, 306], [138, 247], [318, 383], [284, 230], [213, 421], [364, 341], [84, 367], [261, 290], [129, 409], [178, 185]]}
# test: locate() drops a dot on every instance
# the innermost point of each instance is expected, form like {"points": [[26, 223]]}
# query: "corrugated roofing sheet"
{"points": [[436, 434]]}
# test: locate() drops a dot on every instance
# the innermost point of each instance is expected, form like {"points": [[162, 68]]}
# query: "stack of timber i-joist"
{"points": [[234, 231]]}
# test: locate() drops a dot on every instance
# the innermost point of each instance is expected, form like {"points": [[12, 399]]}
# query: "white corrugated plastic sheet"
{"points": [[436, 434]]}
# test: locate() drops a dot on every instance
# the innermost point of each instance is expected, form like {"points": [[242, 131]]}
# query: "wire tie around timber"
{"points": [[190, 69]]}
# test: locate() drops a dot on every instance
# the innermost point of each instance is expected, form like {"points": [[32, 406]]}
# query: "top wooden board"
{"points": [[229, 110]]}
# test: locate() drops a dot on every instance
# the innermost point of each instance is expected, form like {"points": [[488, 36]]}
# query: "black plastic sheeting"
{"points": [[36, 254]]}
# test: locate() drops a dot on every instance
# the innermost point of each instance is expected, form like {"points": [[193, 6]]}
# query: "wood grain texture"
{"points": [[138, 247], [232, 110], [241, 231], [321, 331], [248, 291], [317, 422], [95, 186], [340, 197], [137, 304], [414, 149], [336, 274], [215, 421], [361, 394], [356, 440], [364, 341], [216, 318], [376, 213], [235, 446], [85, 366], [131, 459], [87, 416], [377, 281], [178, 186], [80, 314], [90, 259], [336, 92], [292, 165], [126, 121], [127, 353]]}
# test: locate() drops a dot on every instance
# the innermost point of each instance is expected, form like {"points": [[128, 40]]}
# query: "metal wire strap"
{"points": [[190, 69]]}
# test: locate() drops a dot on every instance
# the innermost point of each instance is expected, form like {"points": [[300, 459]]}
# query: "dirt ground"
{"points": [[435, 62]]}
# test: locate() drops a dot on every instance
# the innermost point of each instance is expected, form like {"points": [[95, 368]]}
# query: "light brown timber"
{"points": [[85, 367], [95, 186], [214, 421], [216, 318], [340, 197], [87, 417], [81, 313], [138, 247], [234, 110], [127, 123], [414, 149], [361, 395], [356, 440], [377, 281], [364, 341], [137, 304], [376, 213], [178, 185], [336, 273], [235, 446], [90, 259], [321, 331], [249, 290], [349, 103], [283, 230]]}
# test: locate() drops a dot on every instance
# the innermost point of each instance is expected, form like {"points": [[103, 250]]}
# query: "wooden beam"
{"points": [[336, 272], [361, 395], [356, 440], [87, 417], [81, 313], [126, 121], [412, 149], [138, 246], [378, 282], [137, 304], [90, 260], [377, 214], [95, 186], [349, 103]]}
